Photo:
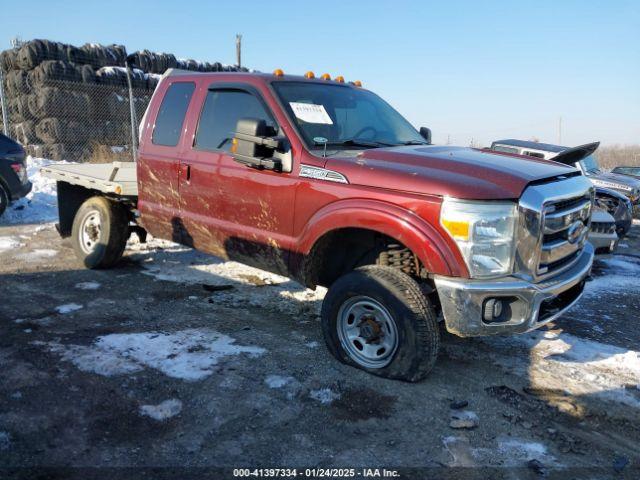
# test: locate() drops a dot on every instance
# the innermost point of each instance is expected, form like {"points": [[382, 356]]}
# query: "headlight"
{"points": [[484, 232]]}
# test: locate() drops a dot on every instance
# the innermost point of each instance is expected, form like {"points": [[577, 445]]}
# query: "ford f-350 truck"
{"points": [[323, 181]]}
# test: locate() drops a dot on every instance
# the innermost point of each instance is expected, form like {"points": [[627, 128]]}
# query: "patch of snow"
{"points": [[567, 363], [37, 254], [621, 274], [186, 354], [167, 261], [313, 344], [518, 449], [68, 308], [40, 205], [88, 285], [324, 395], [9, 243], [277, 381], [162, 411]]}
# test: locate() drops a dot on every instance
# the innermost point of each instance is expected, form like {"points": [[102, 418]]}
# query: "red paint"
{"points": [[229, 209]]}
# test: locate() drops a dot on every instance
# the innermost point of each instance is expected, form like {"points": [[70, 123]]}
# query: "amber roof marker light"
{"points": [[357, 83], [339, 79], [310, 74], [326, 76], [278, 72]]}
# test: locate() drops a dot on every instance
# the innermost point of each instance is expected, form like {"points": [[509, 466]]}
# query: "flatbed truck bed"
{"points": [[117, 178]]}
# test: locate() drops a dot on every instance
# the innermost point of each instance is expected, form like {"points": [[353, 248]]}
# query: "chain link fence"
{"points": [[81, 103]]}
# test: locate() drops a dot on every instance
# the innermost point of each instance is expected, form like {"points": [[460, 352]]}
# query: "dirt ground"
{"points": [[178, 360]]}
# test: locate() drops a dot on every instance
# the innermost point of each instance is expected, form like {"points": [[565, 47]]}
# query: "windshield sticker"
{"points": [[311, 113]]}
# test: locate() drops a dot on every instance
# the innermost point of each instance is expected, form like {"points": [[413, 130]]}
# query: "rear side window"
{"points": [[500, 148], [170, 118], [220, 114]]}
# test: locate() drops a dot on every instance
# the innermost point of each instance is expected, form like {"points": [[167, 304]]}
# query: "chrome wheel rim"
{"points": [[90, 228], [367, 332]]}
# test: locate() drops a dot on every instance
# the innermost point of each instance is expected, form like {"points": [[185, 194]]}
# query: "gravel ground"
{"points": [[178, 360]]}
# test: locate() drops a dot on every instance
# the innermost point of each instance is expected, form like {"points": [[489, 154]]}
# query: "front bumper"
{"points": [[526, 305]]}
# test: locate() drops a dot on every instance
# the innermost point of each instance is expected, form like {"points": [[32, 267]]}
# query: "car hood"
{"points": [[615, 181], [447, 171]]}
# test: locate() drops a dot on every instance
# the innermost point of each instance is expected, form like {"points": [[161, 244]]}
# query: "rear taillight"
{"points": [[21, 172]]}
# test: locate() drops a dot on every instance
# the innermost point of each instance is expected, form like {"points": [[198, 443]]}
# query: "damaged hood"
{"points": [[458, 172], [616, 182]]}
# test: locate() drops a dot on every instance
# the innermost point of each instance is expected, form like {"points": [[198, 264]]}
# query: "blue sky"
{"points": [[468, 70]]}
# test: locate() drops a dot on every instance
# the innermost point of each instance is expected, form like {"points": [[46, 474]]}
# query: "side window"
{"points": [[170, 118], [220, 114], [499, 148]]}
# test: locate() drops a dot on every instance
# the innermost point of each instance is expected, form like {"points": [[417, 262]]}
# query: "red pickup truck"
{"points": [[323, 181]]}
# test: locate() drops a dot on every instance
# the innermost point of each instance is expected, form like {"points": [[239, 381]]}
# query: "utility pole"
{"points": [[239, 50], [448, 139], [559, 130]]}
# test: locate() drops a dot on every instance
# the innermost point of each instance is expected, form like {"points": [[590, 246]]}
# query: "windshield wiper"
{"points": [[354, 142]]}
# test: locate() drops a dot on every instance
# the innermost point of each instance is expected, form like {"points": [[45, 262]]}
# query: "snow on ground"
{"points": [[40, 205], [508, 452], [277, 381], [565, 363], [621, 275], [324, 395], [9, 243], [188, 354], [88, 285], [162, 411], [168, 261], [68, 308]]}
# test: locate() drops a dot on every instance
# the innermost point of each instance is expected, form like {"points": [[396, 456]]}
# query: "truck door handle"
{"points": [[186, 171]]}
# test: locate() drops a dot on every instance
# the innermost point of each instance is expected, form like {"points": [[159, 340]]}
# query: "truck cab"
{"points": [[321, 180]]}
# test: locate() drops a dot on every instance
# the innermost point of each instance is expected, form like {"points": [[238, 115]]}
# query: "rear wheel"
{"points": [[100, 231], [4, 199], [376, 318]]}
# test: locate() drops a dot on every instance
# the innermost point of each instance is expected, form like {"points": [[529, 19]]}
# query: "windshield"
{"points": [[590, 164], [344, 117]]}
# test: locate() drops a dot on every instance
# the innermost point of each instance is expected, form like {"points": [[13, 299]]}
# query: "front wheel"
{"points": [[100, 231], [376, 318]]}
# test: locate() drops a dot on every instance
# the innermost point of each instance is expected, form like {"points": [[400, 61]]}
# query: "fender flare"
{"points": [[431, 248]]}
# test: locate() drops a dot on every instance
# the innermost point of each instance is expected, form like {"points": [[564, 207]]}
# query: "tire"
{"points": [[103, 246], [387, 303], [4, 199]]}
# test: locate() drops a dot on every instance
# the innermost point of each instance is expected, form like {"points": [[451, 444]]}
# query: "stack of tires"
{"points": [[67, 102]]}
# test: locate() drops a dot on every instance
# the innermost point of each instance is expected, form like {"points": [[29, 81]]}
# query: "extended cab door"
{"points": [[158, 166], [229, 209]]}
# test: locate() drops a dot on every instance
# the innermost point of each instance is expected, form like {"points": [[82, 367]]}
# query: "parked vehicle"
{"points": [[583, 158], [630, 171], [618, 206], [602, 232], [14, 182], [324, 182]]}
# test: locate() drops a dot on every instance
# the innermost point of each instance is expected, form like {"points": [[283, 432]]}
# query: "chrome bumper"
{"points": [[526, 305]]}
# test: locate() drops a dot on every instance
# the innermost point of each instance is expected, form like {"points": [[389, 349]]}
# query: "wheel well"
{"points": [[70, 198], [342, 250]]}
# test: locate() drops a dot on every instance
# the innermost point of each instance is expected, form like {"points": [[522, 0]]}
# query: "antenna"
{"points": [[239, 50], [559, 130]]}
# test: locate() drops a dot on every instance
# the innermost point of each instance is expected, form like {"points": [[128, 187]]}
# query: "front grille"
{"points": [[565, 225], [603, 227]]}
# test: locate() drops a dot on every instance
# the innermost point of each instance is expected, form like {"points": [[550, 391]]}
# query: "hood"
{"points": [[458, 172], [616, 181]]}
